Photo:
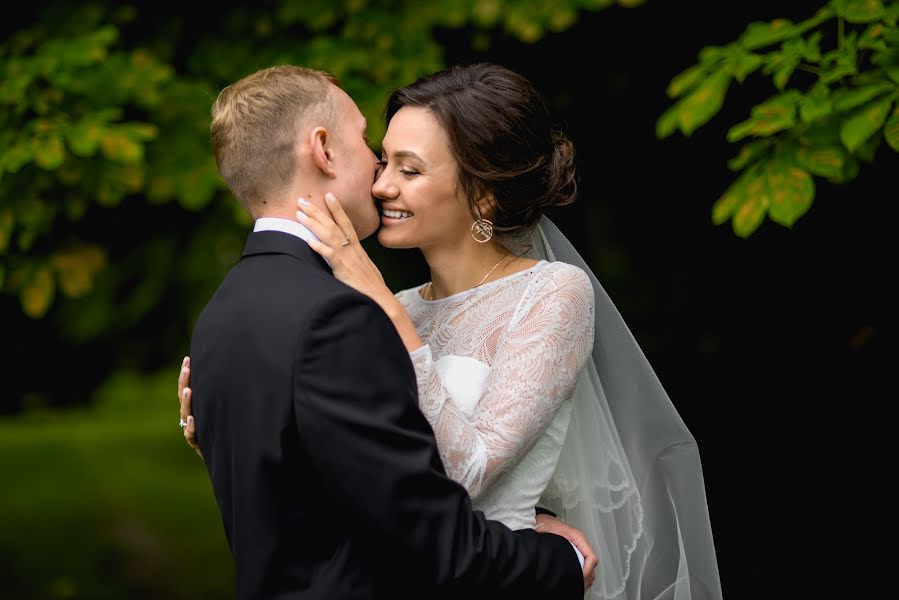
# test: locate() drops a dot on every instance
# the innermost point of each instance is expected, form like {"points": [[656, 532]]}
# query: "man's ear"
{"points": [[320, 141]]}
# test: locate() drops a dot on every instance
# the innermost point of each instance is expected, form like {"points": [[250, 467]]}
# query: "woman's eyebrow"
{"points": [[402, 154]]}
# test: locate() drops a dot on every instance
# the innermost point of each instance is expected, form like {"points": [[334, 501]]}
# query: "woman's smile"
{"points": [[391, 216]]}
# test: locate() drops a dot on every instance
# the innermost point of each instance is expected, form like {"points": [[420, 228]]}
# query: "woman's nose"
{"points": [[382, 187]]}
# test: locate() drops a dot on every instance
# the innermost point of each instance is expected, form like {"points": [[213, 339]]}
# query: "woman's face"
{"points": [[422, 202]]}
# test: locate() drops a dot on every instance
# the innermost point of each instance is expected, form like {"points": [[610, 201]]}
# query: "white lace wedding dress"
{"points": [[495, 380], [538, 393]]}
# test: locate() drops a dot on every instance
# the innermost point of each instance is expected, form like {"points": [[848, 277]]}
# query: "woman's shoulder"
{"points": [[561, 289], [559, 275]]}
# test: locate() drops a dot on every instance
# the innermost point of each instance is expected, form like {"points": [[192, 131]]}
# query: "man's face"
{"points": [[357, 166]]}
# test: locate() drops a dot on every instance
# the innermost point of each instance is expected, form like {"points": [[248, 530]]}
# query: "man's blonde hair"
{"points": [[255, 125]]}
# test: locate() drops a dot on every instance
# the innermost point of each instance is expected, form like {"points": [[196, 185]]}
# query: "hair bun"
{"points": [[561, 179]]}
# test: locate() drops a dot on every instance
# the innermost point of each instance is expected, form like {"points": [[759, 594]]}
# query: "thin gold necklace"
{"points": [[428, 295]]}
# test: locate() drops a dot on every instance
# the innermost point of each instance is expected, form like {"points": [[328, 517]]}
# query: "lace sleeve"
{"points": [[535, 366]]}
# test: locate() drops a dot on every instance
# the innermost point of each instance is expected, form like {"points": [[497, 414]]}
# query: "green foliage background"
{"points": [[104, 116], [112, 215], [108, 104]]}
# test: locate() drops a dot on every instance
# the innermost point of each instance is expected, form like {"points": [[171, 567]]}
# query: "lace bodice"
{"points": [[495, 378]]}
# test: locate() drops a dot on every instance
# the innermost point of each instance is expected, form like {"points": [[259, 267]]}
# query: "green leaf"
{"points": [[14, 84], [84, 137], [759, 34], [792, 191], [751, 212], [867, 151], [892, 73], [856, 98], [811, 48], [823, 14], [48, 152], [815, 106], [749, 153], [141, 131], [850, 170], [872, 38], [869, 78], [842, 61], [77, 267], [857, 129], [863, 11], [6, 224], [732, 198], [891, 130], [37, 295], [197, 187], [783, 73], [827, 161], [746, 63], [17, 156], [667, 123], [710, 55], [82, 51], [892, 13], [118, 145], [741, 130], [770, 117], [783, 63], [685, 81], [837, 72], [703, 103]]}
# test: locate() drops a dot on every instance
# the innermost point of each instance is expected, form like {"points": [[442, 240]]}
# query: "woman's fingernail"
{"points": [[330, 197], [184, 362], [303, 202], [301, 215]]}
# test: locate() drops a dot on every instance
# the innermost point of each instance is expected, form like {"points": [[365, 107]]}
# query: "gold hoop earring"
{"points": [[482, 231]]}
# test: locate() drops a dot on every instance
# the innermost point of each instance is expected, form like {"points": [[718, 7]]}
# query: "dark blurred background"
{"points": [[769, 346]]}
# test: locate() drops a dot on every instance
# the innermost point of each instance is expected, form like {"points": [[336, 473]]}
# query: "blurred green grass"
{"points": [[109, 502]]}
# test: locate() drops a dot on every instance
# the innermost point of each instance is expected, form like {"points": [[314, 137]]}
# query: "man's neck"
{"points": [[284, 206]]}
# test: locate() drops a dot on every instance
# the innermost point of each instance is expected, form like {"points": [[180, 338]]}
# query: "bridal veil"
{"points": [[629, 475]]}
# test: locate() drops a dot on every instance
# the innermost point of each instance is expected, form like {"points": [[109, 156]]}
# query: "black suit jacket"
{"points": [[326, 472]]}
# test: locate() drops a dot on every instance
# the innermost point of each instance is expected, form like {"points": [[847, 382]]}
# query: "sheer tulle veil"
{"points": [[629, 475]]}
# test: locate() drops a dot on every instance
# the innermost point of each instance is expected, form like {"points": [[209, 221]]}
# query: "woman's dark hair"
{"points": [[500, 133]]}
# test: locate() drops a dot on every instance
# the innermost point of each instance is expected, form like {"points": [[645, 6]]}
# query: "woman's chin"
{"points": [[387, 239]]}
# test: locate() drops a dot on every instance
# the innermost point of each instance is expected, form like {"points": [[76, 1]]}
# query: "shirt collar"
{"points": [[286, 226]]}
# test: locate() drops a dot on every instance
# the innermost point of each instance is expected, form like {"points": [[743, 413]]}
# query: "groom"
{"points": [[326, 473]]}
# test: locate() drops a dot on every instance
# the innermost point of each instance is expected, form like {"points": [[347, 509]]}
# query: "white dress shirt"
{"points": [[286, 226]]}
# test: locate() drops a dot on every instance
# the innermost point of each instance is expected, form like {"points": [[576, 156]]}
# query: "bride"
{"points": [[537, 393]]}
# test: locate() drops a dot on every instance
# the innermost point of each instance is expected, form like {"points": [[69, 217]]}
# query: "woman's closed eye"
{"points": [[407, 171]]}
